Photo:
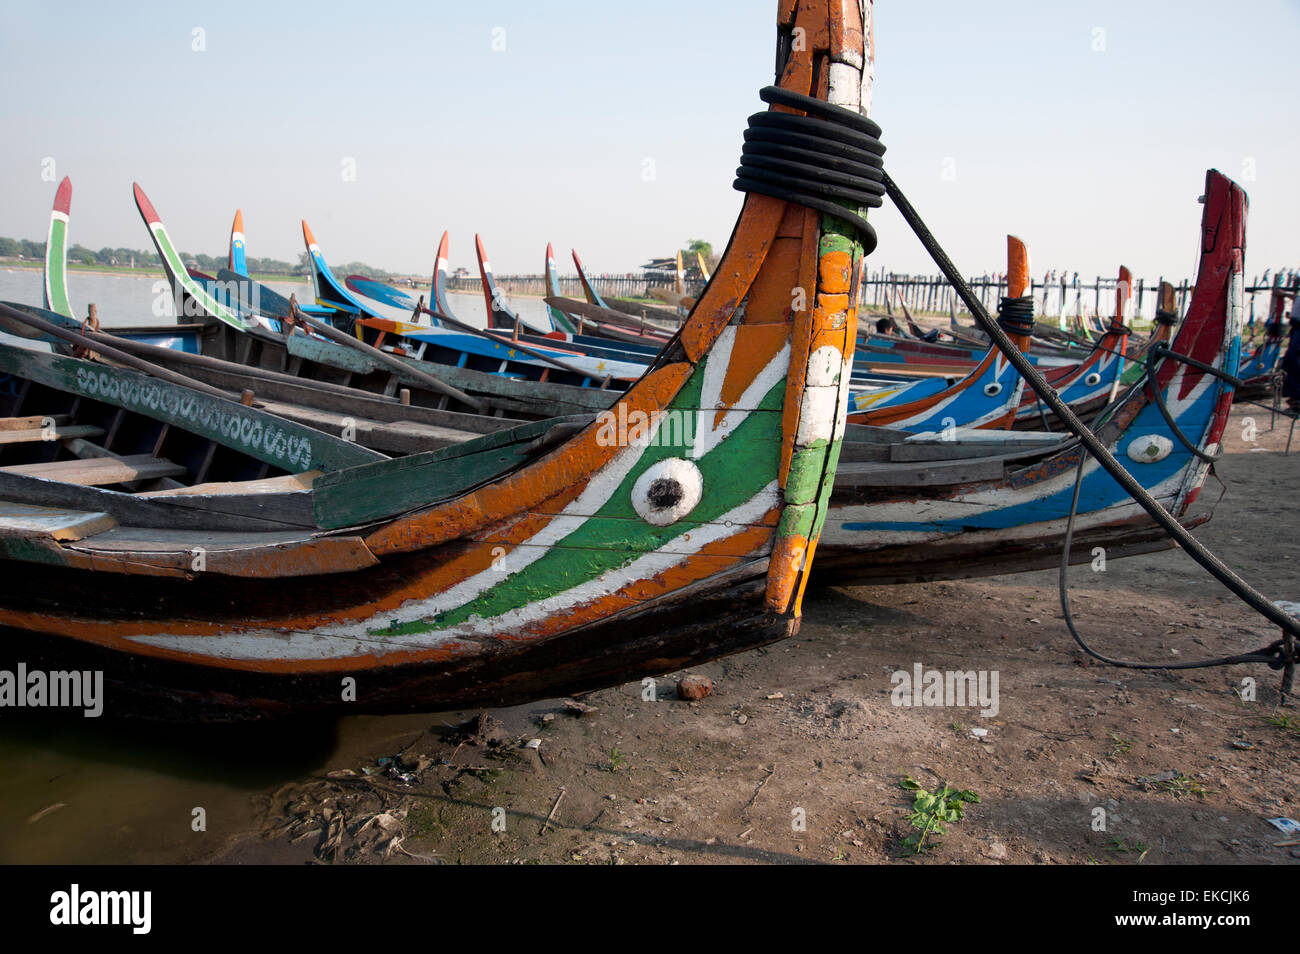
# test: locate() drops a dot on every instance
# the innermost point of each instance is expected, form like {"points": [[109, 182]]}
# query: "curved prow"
{"points": [[329, 290], [679, 285], [236, 261], [189, 294], [441, 308], [500, 316], [762, 385], [1211, 330], [591, 294], [704, 269], [56, 251], [1123, 295], [558, 318]]}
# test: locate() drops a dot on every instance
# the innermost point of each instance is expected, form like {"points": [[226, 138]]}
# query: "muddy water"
{"points": [[129, 791]]}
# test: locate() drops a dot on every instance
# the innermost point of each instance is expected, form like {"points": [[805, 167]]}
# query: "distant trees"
{"points": [[701, 248], [148, 258]]}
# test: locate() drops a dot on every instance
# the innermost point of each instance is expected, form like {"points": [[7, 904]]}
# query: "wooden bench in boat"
{"points": [[100, 471], [36, 428], [51, 523]]}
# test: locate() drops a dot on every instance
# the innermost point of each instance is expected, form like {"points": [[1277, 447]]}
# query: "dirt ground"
{"points": [[798, 754]]}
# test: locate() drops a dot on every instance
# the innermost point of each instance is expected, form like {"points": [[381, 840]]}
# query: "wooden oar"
{"points": [[396, 364], [108, 351]]}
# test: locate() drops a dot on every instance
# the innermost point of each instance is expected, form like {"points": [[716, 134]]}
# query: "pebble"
{"points": [[694, 687]]}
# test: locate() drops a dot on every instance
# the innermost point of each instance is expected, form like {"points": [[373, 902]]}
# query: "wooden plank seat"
{"points": [[57, 432], [100, 471], [51, 523], [32, 421], [39, 427]]}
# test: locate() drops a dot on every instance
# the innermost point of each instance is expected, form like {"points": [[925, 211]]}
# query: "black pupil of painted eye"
{"points": [[664, 493]]}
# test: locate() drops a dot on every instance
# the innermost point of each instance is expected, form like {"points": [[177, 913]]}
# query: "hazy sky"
{"points": [[1085, 128]]}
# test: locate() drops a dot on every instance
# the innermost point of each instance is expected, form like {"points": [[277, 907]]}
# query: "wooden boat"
{"points": [[1009, 511], [515, 566]]}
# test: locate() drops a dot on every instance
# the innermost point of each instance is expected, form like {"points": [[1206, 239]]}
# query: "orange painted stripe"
{"points": [[750, 242], [754, 348]]}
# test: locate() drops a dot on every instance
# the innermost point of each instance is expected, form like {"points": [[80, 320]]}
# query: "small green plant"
{"points": [[958, 728], [931, 811], [1121, 847], [1180, 786], [1122, 746], [1283, 722], [616, 760]]}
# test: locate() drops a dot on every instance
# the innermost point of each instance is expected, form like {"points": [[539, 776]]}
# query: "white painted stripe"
{"points": [[817, 415]]}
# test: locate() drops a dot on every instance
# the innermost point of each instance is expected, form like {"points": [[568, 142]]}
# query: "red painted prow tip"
{"points": [[306, 234], [146, 208], [443, 245], [1123, 292], [550, 253], [576, 261], [238, 224], [63, 196]]}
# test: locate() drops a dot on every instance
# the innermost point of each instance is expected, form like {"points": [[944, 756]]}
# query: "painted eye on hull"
{"points": [[667, 491], [1149, 448], [1092, 379], [993, 389]]}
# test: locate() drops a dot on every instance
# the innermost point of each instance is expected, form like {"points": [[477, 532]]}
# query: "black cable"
{"points": [[1197, 550], [1275, 654]]}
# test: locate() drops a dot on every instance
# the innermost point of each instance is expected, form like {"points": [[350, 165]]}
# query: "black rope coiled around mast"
{"points": [[828, 157], [1016, 315]]}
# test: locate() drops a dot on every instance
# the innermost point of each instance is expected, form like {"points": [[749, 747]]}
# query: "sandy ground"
{"points": [[798, 754]]}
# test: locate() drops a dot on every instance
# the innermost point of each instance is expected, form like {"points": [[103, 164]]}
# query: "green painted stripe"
{"points": [[177, 269], [56, 269], [828, 485], [796, 521], [804, 481]]}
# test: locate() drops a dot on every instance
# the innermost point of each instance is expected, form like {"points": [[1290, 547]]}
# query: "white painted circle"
{"points": [[1092, 379], [667, 491], [993, 389], [1149, 448]]}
